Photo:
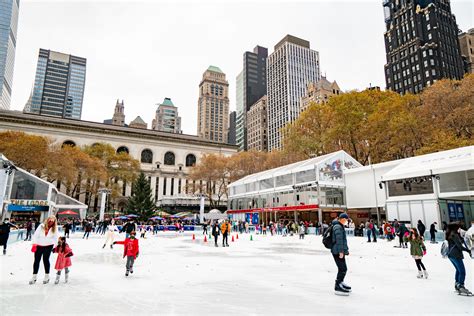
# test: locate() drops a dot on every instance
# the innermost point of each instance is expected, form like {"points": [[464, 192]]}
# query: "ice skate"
{"points": [[425, 273], [66, 276], [346, 287], [103, 246], [111, 246], [33, 279], [339, 290], [463, 291], [4, 251], [57, 279], [126, 273], [46, 279], [420, 275], [131, 269]]}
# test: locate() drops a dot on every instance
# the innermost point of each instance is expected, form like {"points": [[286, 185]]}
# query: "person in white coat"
{"points": [[44, 239], [469, 239], [110, 235]]}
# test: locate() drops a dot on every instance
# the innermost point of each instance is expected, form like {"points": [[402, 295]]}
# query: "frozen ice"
{"points": [[267, 276]]}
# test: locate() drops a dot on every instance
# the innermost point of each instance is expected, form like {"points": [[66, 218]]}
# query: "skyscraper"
{"points": [[59, 85], [291, 66], [421, 43], [8, 31], [251, 86], [466, 41], [231, 132], [319, 92], [257, 126], [213, 106], [167, 118]]}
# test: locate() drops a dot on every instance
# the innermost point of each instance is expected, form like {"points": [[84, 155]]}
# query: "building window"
{"points": [[190, 160], [179, 186], [169, 159], [164, 186], [122, 149], [146, 156], [172, 186], [69, 143], [157, 187]]}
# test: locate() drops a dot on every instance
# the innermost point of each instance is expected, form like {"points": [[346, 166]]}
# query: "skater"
{"points": [[131, 250], [64, 259], [5, 233], [44, 238], [29, 229], [128, 228], [204, 228], [368, 229], [301, 230], [225, 228], [110, 235], [215, 232], [339, 252], [87, 230], [456, 247], [402, 231], [142, 232], [433, 232], [67, 228], [421, 228], [374, 230], [417, 251]]}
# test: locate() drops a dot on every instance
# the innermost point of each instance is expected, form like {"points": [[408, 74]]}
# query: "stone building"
{"points": [[319, 92], [213, 106], [166, 158], [138, 122], [466, 41], [257, 126]]}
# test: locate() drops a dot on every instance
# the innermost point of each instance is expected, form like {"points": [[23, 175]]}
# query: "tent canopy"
{"points": [[459, 159]]}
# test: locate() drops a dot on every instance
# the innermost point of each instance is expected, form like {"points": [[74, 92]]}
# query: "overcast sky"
{"points": [[142, 52]]}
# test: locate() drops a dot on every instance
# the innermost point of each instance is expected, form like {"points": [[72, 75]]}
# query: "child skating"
{"points": [[130, 250], [64, 259], [417, 251]]}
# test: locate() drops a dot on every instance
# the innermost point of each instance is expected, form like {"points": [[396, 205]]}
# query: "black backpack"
{"points": [[327, 237]]}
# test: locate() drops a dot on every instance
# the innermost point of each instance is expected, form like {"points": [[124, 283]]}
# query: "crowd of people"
{"points": [[46, 239]]}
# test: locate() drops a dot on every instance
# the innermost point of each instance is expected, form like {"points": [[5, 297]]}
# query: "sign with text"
{"points": [[28, 205]]}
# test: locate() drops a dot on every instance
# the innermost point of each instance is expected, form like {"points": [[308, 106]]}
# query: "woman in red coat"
{"points": [[130, 250], [64, 258]]}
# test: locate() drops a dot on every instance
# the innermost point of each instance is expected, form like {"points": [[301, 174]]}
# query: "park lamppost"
{"points": [[104, 192]]}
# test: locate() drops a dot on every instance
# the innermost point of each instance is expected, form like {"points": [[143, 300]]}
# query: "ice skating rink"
{"points": [[267, 276]]}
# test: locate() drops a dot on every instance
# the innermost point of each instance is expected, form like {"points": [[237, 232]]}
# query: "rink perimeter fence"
{"points": [[20, 234]]}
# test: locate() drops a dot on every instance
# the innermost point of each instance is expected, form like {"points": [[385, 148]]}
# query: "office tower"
{"points": [[257, 126], [8, 30], [231, 132], [119, 115], [466, 41], [213, 106], [291, 66], [421, 44], [167, 118], [59, 85], [251, 86], [319, 92]]}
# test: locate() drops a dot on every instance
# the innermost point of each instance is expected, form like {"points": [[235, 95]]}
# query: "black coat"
{"points": [[215, 230], [421, 229], [456, 247]]}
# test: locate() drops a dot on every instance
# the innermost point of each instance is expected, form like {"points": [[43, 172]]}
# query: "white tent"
{"points": [[215, 214], [459, 159]]}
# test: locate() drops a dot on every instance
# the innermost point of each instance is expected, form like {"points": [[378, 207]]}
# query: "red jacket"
{"points": [[130, 247]]}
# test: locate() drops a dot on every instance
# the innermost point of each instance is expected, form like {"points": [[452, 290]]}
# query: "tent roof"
{"points": [[291, 168], [453, 160]]}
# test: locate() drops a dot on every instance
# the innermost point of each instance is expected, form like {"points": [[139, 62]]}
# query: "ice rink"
{"points": [[267, 276]]}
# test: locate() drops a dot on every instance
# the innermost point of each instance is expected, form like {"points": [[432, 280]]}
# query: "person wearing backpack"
{"points": [[454, 254], [336, 239]]}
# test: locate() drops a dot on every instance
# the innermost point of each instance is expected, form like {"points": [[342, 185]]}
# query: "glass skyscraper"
{"points": [[59, 85], [8, 31]]}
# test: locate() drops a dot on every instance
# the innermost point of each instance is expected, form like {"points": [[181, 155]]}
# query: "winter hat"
{"points": [[344, 215]]}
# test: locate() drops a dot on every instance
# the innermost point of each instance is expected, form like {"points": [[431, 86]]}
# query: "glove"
{"points": [[424, 252], [137, 255], [406, 234], [114, 243], [33, 248]]}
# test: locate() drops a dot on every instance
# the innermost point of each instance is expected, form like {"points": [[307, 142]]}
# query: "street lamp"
{"points": [[9, 168]]}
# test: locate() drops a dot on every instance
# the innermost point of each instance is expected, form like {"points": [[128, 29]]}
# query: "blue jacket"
{"points": [[339, 239]]}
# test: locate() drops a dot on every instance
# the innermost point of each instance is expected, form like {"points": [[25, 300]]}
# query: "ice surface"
{"points": [[266, 276]]}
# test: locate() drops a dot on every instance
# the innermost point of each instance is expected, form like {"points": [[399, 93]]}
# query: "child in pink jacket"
{"points": [[64, 258]]}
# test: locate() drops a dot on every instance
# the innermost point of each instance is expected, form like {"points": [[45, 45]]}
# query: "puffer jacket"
{"points": [[457, 247], [339, 239], [417, 246]]}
